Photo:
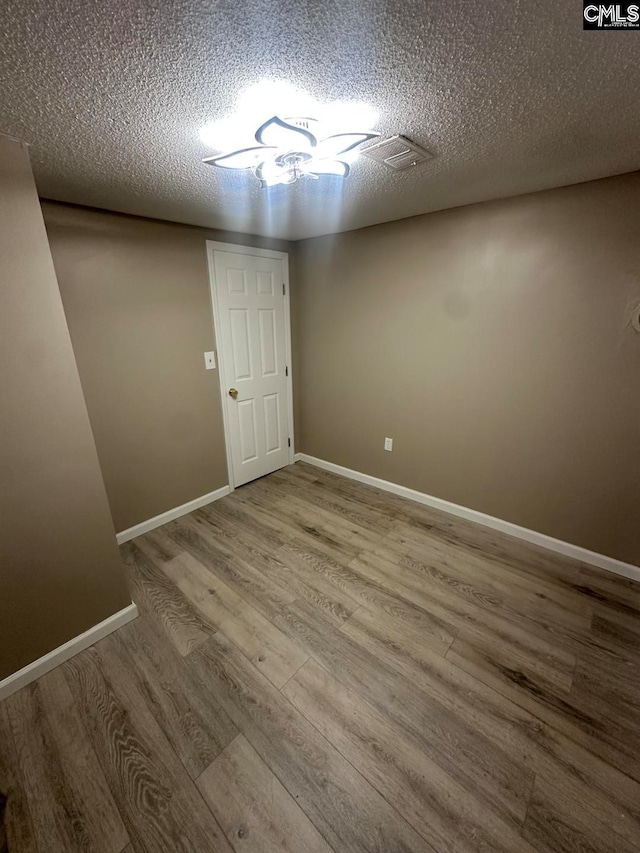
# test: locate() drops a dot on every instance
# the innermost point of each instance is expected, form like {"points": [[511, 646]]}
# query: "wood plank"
{"points": [[366, 592], [16, 828], [444, 812], [338, 526], [511, 552], [265, 580], [615, 641], [158, 545], [333, 603], [303, 471], [234, 560], [559, 712], [320, 494], [266, 646], [254, 809], [150, 786], [601, 788], [515, 552], [610, 590], [511, 640], [70, 804], [614, 598], [300, 563], [233, 526], [160, 599], [239, 509], [481, 766], [625, 619], [444, 667], [193, 722], [369, 496], [508, 551], [556, 821], [611, 694], [345, 809], [332, 544], [515, 590]]}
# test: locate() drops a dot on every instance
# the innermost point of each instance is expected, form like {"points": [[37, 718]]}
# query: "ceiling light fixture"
{"points": [[292, 147]]}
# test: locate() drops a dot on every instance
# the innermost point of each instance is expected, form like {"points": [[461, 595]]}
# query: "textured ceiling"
{"points": [[511, 96]]}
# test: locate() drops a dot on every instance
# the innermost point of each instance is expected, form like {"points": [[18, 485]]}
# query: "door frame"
{"points": [[215, 246]]}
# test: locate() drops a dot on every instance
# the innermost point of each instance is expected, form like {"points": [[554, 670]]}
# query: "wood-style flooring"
{"points": [[320, 666]]}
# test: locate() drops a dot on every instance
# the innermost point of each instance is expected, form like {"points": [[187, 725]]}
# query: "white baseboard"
{"points": [[576, 552], [52, 659], [170, 514]]}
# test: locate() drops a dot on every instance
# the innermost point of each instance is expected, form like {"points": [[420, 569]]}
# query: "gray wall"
{"points": [[136, 296], [61, 572], [493, 343]]}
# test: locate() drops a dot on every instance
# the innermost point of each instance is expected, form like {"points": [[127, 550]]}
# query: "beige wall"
{"points": [[493, 343], [136, 296], [60, 569]]}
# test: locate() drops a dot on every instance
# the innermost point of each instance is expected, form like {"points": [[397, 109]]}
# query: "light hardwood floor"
{"points": [[320, 666]]}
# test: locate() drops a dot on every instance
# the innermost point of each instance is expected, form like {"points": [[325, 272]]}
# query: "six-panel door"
{"points": [[252, 331]]}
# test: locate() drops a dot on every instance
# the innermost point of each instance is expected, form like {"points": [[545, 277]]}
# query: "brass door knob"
{"points": [[233, 393]]}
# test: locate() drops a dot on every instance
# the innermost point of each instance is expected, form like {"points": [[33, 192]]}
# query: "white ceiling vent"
{"points": [[398, 152]]}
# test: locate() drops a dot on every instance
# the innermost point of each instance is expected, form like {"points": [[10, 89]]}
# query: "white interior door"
{"points": [[252, 343]]}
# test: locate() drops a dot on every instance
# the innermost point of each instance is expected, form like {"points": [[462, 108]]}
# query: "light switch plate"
{"points": [[210, 360], [388, 444]]}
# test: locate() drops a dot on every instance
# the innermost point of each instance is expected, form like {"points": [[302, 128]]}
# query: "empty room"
{"points": [[320, 421]]}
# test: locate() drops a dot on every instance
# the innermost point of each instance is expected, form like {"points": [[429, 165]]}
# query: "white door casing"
{"points": [[250, 298]]}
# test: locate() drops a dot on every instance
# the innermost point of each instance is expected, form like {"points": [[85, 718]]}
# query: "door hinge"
{"points": [[289, 441], [284, 292], [286, 371]]}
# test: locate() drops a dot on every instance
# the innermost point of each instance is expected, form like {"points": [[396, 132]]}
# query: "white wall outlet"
{"points": [[388, 444], [210, 360]]}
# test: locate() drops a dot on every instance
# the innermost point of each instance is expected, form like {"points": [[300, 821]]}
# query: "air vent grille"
{"points": [[397, 152]]}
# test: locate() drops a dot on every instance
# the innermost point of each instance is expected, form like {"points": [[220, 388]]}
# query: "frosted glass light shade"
{"points": [[246, 158], [281, 134], [288, 150]]}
